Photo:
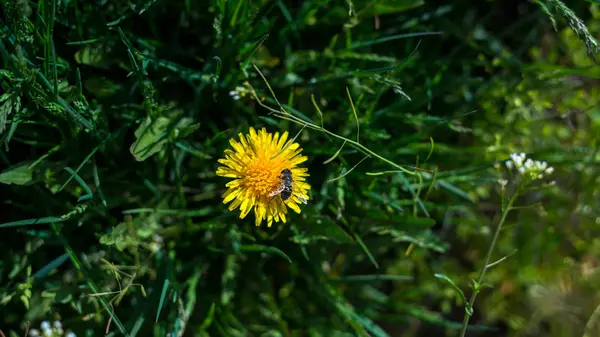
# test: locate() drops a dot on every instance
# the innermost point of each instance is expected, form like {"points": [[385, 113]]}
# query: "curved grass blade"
{"points": [[255, 47], [335, 154], [312, 98], [266, 249], [28, 222], [346, 173], [355, 115], [391, 38], [80, 180], [456, 288], [209, 318]]}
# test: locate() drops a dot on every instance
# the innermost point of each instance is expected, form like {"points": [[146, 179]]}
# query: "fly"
{"points": [[286, 186]]}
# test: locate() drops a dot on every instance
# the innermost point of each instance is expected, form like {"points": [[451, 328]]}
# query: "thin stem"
{"points": [[486, 265], [288, 116]]}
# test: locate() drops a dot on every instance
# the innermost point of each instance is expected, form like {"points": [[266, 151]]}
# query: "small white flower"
{"points": [[71, 334], [57, 324], [529, 163], [34, 333], [45, 325], [502, 182], [509, 164], [552, 183], [516, 159], [47, 332], [59, 331], [522, 170], [549, 170]]}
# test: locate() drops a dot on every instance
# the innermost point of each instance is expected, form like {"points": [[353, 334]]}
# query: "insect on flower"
{"points": [[266, 176], [286, 186]]}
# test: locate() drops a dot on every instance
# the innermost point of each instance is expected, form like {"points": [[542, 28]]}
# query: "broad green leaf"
{"points": [[321, 228], [91, 55], [152, 135], [19, 174], [394, 6]]}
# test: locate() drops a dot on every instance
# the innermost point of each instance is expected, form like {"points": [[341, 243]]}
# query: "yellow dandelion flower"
{"points": [[261, 164]]}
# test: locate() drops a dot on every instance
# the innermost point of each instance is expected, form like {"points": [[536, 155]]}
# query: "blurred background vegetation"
{"points": [[114, 113]]}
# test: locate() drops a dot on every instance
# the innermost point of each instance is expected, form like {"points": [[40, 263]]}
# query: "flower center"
{"points": [[262, 177]]}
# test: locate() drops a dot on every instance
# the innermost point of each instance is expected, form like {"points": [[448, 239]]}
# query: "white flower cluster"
{"points": [[47, 330], [157, 243], [533, 168], [238, 93]]}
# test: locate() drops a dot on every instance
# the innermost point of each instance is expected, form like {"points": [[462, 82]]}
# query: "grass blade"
{"points": [[266, 249], [335, 154], [361, 44], [355, 115], [255, 47], [162, 298]]}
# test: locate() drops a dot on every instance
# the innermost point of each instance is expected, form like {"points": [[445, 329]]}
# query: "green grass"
{"points": [[113, 116]]}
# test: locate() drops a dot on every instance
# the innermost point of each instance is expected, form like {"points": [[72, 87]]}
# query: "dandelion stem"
{"points": [[486, 265]]}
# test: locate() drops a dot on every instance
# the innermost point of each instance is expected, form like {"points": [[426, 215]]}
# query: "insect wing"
{"points": [[278, 190], [298, 193]]}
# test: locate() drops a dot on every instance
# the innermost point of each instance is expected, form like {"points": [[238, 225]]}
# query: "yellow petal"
{"points": [[259, 212], [235, 204], [231, 194], [297, 160], [246, 207], [236, 146], [227, 172], [282, 140], [282, 216], [234, 183], [293, 206]]}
